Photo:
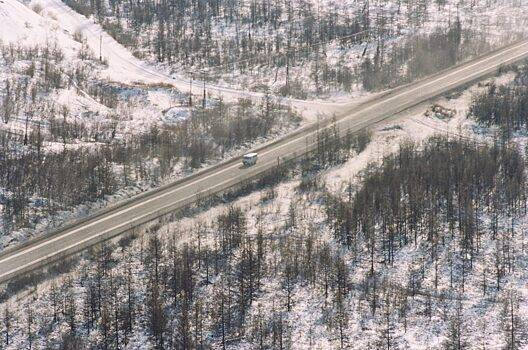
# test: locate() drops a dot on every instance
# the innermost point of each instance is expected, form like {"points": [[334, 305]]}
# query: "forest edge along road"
{"points": [[152, 204]]}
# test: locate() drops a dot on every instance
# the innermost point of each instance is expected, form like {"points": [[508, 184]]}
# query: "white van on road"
{"points": [[250, 159]]}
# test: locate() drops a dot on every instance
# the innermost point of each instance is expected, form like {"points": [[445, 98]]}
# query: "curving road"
{"points": [[145, 207], [124, 67]]}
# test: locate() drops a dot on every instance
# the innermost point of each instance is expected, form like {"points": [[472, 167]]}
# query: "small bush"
{"points": [[78, 36], [37, 7]]}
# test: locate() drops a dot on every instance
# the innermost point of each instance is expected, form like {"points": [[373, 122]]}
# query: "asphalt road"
{"points": [[148, 206]]}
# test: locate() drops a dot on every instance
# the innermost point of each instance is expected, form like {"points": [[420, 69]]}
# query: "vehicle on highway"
{"points": [[250, 159]]}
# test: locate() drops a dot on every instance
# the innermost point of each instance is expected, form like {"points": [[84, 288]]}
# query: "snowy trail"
{"points": [[122, 65]]}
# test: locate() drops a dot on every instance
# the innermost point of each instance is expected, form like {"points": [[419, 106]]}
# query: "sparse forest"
{"points": [[385, 238], [53, 159], [269, 44], [243, 279], [55, 181], [504, 106], [448, 191], [35, 72]]}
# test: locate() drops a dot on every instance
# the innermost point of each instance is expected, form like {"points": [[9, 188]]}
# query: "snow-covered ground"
{"points": [[308, 323], [498, 22], [134, 99], [58, 21], [133, 111], [40, 314]]}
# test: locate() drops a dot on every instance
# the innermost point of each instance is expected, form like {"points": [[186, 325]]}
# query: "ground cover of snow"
{"points": [[306, 320]]}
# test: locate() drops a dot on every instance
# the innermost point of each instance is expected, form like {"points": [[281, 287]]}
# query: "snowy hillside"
{"points": [[295, 265], [60, 112], [306, 48], [411, 235]]}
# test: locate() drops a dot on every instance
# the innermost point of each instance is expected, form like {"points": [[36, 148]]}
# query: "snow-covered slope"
{"points": [[122, 66], [19, 24], [57, 20], [302, 313]]}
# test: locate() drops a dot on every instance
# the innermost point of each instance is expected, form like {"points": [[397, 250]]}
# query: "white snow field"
{"points": [[21, 24], [57, 20]]}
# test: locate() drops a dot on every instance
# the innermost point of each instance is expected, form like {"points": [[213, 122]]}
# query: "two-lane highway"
{"points": [[218, 178]]}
